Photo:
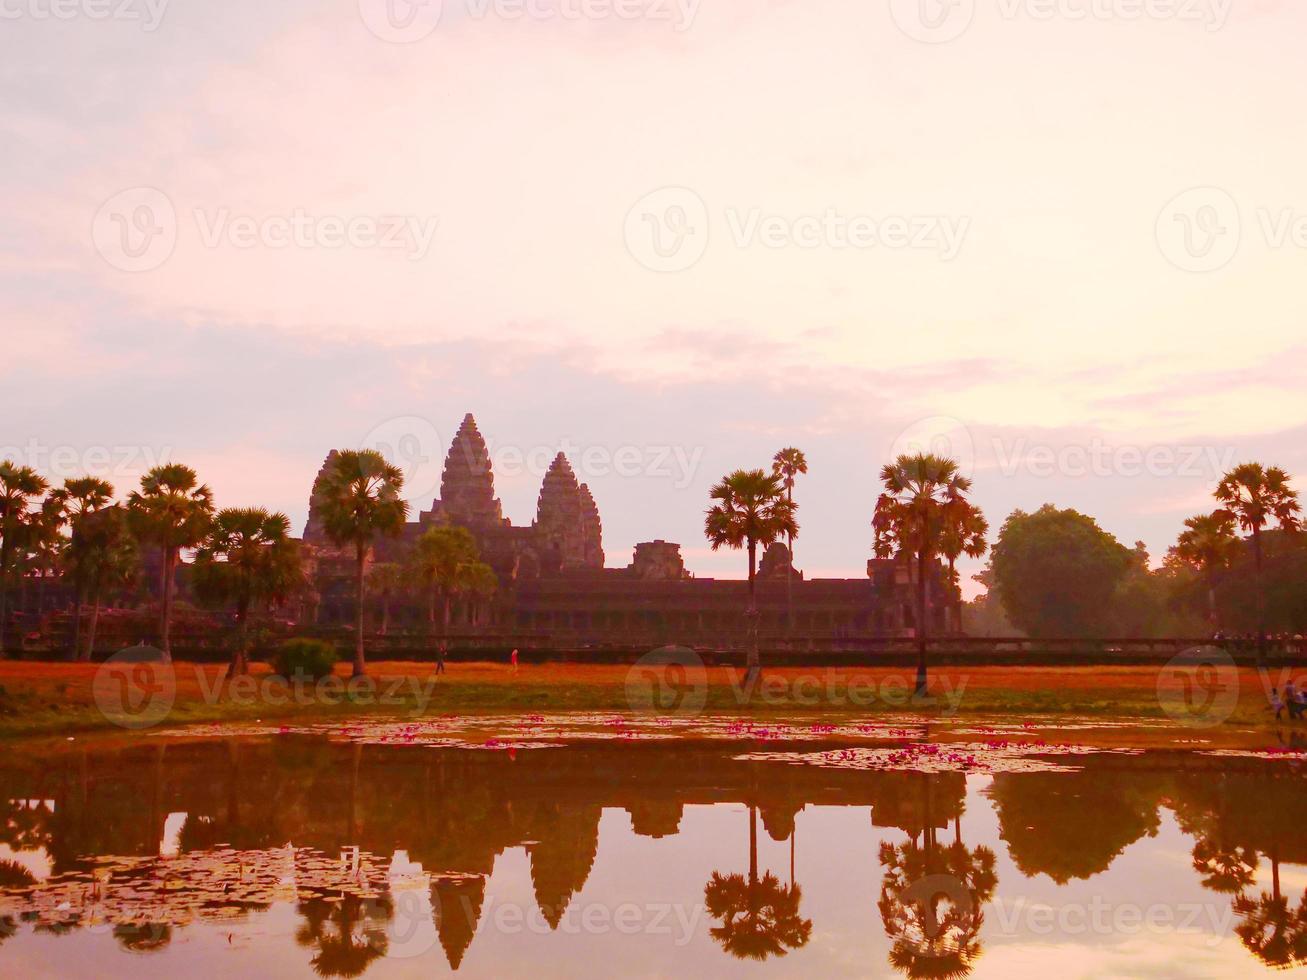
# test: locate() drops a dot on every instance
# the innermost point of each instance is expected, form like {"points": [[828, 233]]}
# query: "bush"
{"points": [[308, 659]]}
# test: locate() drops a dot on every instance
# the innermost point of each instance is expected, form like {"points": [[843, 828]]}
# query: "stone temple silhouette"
{"points": [[555, 589]]}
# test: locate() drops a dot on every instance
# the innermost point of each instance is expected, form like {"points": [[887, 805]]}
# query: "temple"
{"points": [[556, 590]]}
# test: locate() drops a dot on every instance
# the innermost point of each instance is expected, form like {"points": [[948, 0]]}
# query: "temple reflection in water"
{"points": [[349, 859]]}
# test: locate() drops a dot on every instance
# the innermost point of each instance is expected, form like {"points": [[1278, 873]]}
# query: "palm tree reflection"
{"points": [[349, 933], [759, 916]]}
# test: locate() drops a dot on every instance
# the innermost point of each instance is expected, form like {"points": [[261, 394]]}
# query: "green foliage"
{"points": [[304, 658], [359, 498], [248, 556], [172, 509], [1057, 573], [751, 510]]}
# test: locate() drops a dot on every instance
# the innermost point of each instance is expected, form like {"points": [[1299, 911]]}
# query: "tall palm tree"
{"points": [[359, 495], [1255, 495], [20, 486], [909, 523], [248, 556], [751, 510], [1207, 545], [171, 511], [439, 560], [80, 496], [43, 544], [962, 533], [101, 556], [787, 464]]}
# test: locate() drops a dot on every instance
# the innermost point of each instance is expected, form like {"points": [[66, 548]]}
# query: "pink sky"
{"points": [[1065, 312]]}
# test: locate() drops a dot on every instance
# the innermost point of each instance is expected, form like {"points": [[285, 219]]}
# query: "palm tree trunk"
{"points": [[90, 630], [1261, 597], [360, 665], [240, 663], [789, 571], [165, 604], [921, 624], [75, 654], [5, 550], [753, 844], [385, 614], [753, 665]]}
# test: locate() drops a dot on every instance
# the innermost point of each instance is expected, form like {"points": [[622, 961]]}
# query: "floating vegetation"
{"points": [[992, 756]]}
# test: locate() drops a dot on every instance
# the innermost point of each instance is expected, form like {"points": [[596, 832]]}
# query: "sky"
{"points": [[1060, 240]]}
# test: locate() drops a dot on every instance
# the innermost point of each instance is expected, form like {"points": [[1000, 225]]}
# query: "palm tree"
{"points": [[248, 556], [1208, 544], [909, 523], [787, 464], [80, 496], [102, 555], [1254, 496], [171, 511], [751, 510], [19, 488], [439, 560], [963, 533], [759, 916], [359, 496]]}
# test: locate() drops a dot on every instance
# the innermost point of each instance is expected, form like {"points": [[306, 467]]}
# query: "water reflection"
{"points": [[379, 851]]}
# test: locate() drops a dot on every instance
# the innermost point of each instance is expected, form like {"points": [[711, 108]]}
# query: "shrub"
{"points": [[308, 659]]}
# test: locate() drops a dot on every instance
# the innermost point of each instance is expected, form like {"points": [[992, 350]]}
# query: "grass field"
{"points": [[49, 698]]}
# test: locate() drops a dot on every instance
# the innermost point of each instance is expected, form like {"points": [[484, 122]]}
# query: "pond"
{"points": [[300, 854]]}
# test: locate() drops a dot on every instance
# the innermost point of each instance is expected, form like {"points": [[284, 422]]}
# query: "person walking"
{"points": [[441, 652], [513, 658]]}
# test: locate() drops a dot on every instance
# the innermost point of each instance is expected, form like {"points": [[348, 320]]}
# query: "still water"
{"points": [[293, 855]]}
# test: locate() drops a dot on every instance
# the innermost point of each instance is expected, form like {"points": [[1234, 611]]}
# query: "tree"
{"points": [[20, 486], [963, 533], [386, 580], [759, 916], [1208, 545], [1057, 572], [752, 509], [909, 523], [787, 464], [171, 511], [440, 559], [101, 556], [1255, 496], [247, 557], [81, 497], [359, 499], [478, 582]]}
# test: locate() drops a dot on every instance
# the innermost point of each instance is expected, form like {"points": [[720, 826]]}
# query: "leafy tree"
{"points": [[1255, 496], [787, 464], [359, 498], [1057, 572], [20, 486], [440, 560], [751, 509], [386, 581], [1207, 545], [910, 520], [247, 557], [171, 511], [477, 583], [80, 497]]}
